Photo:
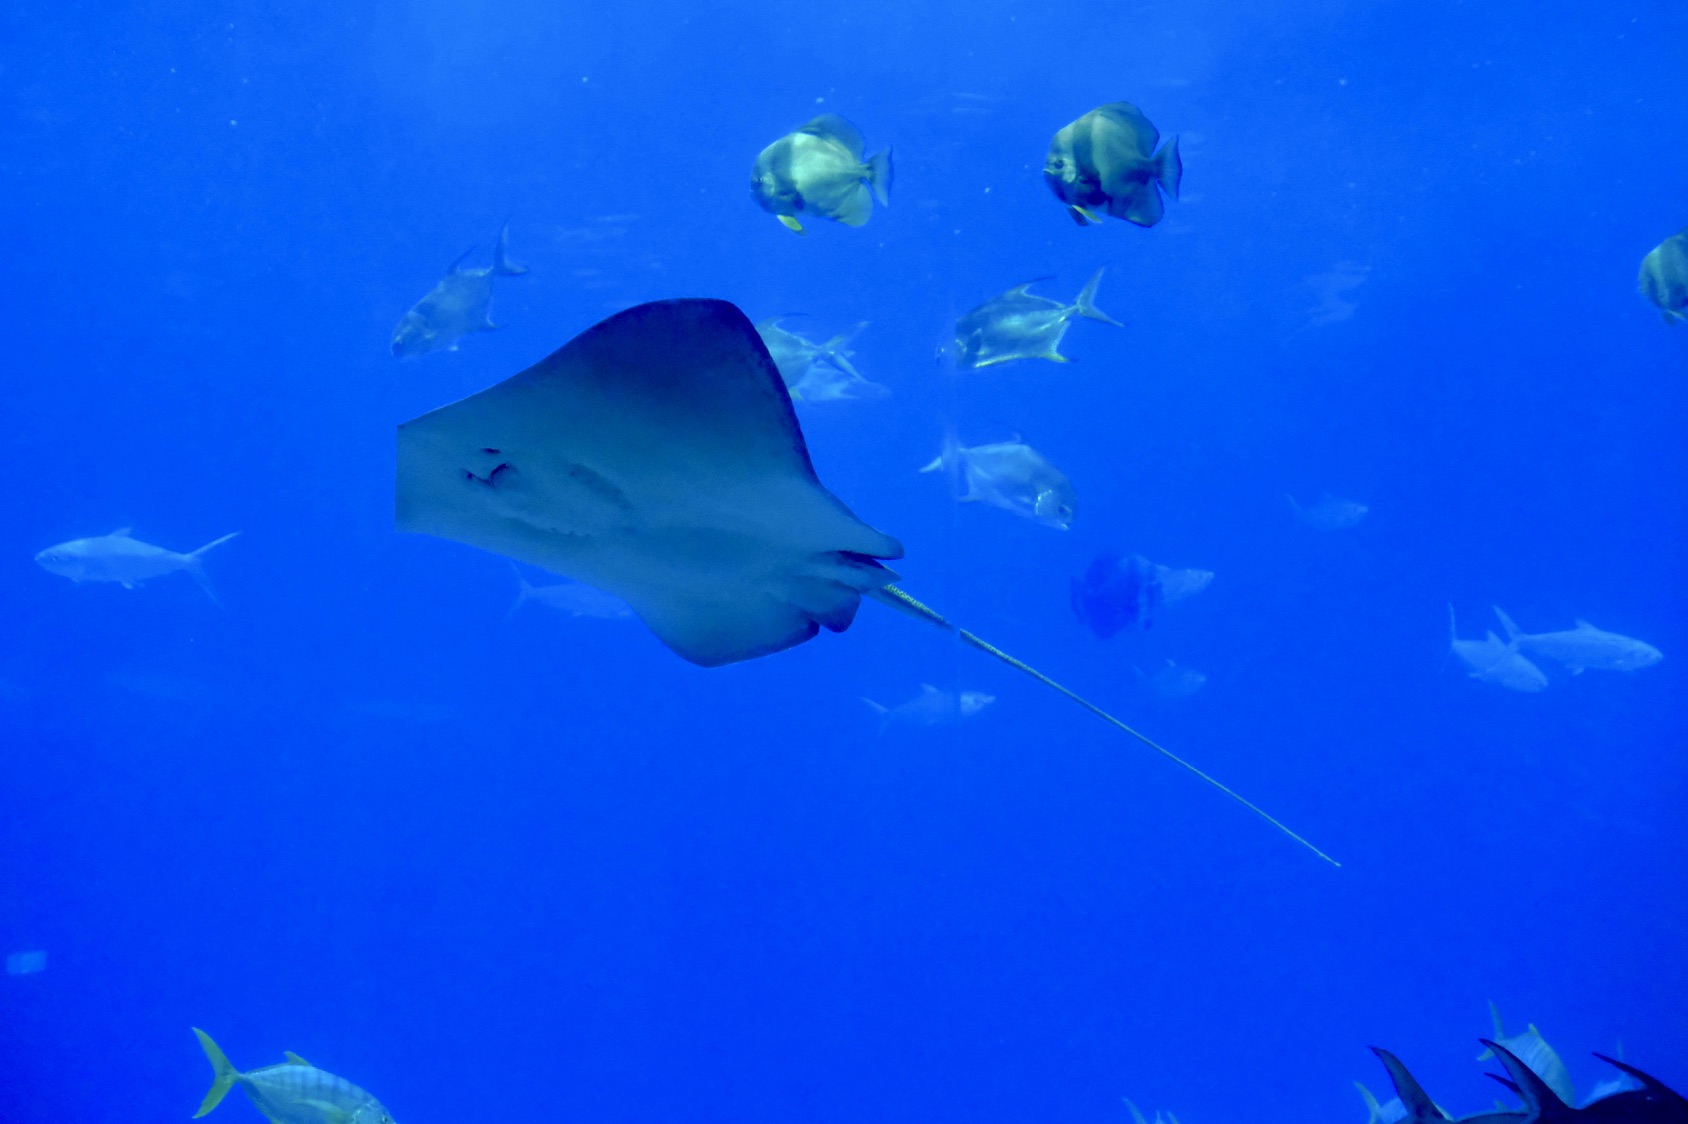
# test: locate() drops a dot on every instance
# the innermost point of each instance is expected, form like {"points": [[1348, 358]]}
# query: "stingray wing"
{"points": [[656, 457]]}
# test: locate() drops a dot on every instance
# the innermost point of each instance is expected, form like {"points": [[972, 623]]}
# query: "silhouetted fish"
{"points": [[1117, 592]]}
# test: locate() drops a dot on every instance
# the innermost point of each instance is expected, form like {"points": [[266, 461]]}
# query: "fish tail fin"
{"points": [[1086, 303], [502, 264], [524, 591], [1372, 1107], [1169, 167], [223, 1073], [1494, 1012], [882, 712], [196, 568], [1512, 635], [879, 176], [836, 351], [213, 543]]}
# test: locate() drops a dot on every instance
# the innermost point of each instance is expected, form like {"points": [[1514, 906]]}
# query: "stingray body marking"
{"points": [[657, 457]]}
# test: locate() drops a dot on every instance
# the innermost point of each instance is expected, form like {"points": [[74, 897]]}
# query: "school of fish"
{"points": [[1109, 162]]}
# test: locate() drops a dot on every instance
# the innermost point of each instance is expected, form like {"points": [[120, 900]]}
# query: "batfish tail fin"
{"points": [[1086, 303], [223, 1074], [1169, 168], [501, 261], [879, 176], [196, 568], [897, 599]]}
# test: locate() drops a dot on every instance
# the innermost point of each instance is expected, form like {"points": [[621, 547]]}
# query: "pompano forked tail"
{"points": [[897, 599]]}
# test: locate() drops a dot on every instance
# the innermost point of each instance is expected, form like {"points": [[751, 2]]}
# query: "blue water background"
{"points": [[533, 868]]}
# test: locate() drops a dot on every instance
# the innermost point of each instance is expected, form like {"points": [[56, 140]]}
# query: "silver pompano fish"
{"points": [[119, 557], [1583, 647], [1018, 325], [294, 1092], [1664, 277], [1173, 681], [577, 599], [460, 304], [819, 170], [1013, 476], [1107, 159], [1331, 513], [1493, 660], [817, 372], [1532, 1049], [932, 707]]}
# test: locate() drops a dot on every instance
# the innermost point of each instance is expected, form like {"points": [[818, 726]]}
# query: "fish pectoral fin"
{"points": [[1084, 216], [791, 224]]}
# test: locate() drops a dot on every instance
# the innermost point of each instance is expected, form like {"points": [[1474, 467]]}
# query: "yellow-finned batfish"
{"points": [[819, 170], [459, 305], [1013, 476], [1664, 276], [1018, 325], [1107, 159], [294, 1092]]}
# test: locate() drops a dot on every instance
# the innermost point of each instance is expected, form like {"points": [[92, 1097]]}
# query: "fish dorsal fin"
{"points": [[1414, 1099], [295, 1059], [1541, 1103], [840, 130], [1025, 289], [1136, 1115], [1585, 625], [458, 261], [121, 533]]}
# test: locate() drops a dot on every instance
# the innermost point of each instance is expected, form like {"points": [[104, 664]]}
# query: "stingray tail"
{"points": [[223, 1074], [1086, 303], [1169, 168], [502, 264], [196, 567], [878, 176], [897, 599]]}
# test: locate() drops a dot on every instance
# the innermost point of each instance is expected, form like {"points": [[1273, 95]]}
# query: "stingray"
{"points": [[656, 456]]}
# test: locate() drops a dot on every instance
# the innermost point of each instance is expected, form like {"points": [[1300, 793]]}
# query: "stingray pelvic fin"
{"points": [[897, 599]]}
